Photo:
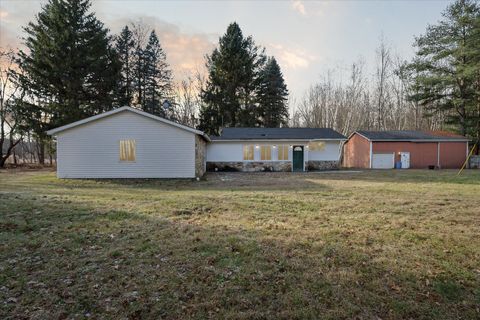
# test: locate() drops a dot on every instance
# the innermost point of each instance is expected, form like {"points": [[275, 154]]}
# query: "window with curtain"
{"points": [[248, 152], [282, 152], [127, 150], [266, 153]]}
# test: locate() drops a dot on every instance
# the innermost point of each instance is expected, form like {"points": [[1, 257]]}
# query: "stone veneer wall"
{"points": [[258, 166], [321, 165], [200, 153], [250, 166]]}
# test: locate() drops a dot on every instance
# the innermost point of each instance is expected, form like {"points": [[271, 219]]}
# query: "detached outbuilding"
{"points": [[129, 143], [405, 149]]}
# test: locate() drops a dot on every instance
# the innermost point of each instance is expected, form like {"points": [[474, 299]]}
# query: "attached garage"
{"points": [[405, 149], [129, 143]]}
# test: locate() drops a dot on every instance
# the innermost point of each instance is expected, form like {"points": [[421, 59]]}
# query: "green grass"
{"points": [[386, 244]]}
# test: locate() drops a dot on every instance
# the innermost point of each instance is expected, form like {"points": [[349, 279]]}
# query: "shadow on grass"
{"points": [[73, 260]]}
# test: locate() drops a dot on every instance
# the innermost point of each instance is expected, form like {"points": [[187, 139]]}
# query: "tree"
{"points": [[188, 99], [158, 78], [272, 95], [233, 70], [70, 70], [10, 95], [448, 69], [125, 46]]}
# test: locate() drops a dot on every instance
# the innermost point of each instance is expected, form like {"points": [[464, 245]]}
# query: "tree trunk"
{"points": [[41, 151]]}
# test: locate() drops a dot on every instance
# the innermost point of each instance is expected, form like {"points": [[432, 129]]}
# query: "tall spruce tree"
{"points": [[229, 96], [125, 46], [158, 78], [448, 69], [272, 96], [70, 70]]}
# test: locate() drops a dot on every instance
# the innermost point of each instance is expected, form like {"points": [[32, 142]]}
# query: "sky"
{"points": [[307, 38]]}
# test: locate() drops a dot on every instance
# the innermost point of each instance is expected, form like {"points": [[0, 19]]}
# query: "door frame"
{"points": [[303, 157], [409, 159]]}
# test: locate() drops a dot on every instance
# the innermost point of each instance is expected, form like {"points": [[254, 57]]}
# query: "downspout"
{"points": [[438, 155], [371, 154], [468, 163], [305, 167]]}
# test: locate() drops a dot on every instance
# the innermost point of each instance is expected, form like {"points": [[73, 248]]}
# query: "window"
{"points": [[127, 150], [282, 152], [266, 153], [316, 146], [248, 152]]}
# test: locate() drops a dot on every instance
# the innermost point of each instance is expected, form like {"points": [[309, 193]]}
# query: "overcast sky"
{"points": [[306, 37]]}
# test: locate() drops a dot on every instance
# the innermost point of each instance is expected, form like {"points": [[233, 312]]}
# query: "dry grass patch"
{"points": [[387, 244]]}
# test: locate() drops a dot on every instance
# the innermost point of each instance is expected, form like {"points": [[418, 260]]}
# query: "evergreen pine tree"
{"points": [[448, 69], [158, 78], [229, 96], [272, 96], [70, 70], [125, 49]]}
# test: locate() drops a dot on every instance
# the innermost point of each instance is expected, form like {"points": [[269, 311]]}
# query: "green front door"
{"points": [[297, 158]]}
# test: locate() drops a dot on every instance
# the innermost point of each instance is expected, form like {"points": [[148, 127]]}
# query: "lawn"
{"points": [[364, 245]]}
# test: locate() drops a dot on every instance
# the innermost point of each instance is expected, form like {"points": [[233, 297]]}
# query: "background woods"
{"points": [[71, 67]]}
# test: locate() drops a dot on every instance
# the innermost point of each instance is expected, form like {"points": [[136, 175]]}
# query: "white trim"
{"points": [[361, 135], [125, 108], [423, 140], [303, 155], [438, 155], [410, 140], [466, 155], [371, 154]]}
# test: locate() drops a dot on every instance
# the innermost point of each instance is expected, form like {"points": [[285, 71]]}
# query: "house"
{"points": [[129, 143], [274, 149], [410, 149]]}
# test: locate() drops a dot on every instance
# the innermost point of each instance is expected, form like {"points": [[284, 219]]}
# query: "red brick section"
{"points": [[356, 152], [452, 154], [422, 154]]}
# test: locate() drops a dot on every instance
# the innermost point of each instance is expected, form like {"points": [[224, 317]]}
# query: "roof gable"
{"points": [[126, 109], [278, 134]]}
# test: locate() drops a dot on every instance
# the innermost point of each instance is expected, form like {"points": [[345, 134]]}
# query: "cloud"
{"points": [[292, 58], [185, 50], [298, 6], [3, 14]]}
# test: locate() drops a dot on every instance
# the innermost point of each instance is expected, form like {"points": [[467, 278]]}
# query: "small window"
{"points": [[248, 152], [127, 150], [282, 152], [266, 153], [316, 146]]}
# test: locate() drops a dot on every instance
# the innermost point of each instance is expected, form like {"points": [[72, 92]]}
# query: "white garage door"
{"points": [[383, 161]]}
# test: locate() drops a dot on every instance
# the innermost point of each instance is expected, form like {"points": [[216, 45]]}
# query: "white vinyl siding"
{"points": [[91, 150], [330, 152]]}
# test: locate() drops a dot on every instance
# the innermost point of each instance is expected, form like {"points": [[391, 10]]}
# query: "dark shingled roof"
{"points": [[278, 134], [410, 135]]}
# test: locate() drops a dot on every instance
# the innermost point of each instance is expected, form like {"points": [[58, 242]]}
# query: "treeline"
{"points": [[365, 101], [73, 68], [438, 89]]}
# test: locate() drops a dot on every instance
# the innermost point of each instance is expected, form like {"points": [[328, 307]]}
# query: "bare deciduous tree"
{"points": [[9, 90]]}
